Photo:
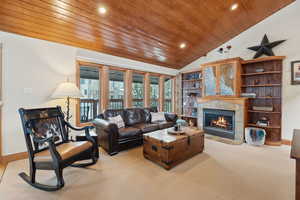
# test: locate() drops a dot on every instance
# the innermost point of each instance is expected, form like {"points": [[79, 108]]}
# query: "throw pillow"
{"points": [[158, 116], [118, 120]]}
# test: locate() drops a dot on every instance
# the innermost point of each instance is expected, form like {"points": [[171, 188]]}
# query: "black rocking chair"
{"points": [[49, 147]]}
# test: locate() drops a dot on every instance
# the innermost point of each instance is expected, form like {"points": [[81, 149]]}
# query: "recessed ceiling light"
{"points": [[234, 6], [102, 10], [182, 45]]}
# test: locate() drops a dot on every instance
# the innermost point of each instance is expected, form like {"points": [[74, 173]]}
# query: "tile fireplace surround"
{"points": [[233, 104]]}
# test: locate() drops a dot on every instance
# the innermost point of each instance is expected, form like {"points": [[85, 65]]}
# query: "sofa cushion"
{"points": [[134, 116], [164, 124], [129, 132], [147, 113], [157, 116], [171, 117], [145, 128], [113, 113], [118, 120]]}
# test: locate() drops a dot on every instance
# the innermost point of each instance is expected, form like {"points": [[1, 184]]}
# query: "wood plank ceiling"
{"points": [[145, 30]]}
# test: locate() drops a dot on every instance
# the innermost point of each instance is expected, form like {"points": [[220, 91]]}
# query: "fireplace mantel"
{"points": [[235, 100], [237, 104]]}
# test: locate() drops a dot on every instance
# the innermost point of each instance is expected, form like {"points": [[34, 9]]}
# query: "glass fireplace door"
{"points": [[219, 122], [226, 79], [210, 81]]}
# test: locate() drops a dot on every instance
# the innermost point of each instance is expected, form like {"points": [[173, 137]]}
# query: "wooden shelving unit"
{"points": [[191, 91], [257, 111], [266, 127], [268, 97], [262, 85], [267, 85], [192, 80], [262, 73]]}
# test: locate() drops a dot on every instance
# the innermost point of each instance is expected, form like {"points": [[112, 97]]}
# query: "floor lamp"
{"points": [[67, 90]]}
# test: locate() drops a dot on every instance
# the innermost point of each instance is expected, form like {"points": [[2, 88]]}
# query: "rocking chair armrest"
{"points": [[54, 153], [89, 137], [86, 129], [78, 129]]}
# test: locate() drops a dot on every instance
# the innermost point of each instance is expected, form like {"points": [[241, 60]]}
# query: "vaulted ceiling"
{"points": [[146, 30]]}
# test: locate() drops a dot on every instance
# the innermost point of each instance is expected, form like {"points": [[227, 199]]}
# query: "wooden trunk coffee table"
{"points": [[169, 150]]}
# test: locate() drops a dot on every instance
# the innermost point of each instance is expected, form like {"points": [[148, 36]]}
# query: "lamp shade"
{"points": [[66, 89]]}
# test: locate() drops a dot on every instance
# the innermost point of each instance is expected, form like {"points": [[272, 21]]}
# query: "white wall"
{"points": [[284, 24], [38, 67], [101, 58]]}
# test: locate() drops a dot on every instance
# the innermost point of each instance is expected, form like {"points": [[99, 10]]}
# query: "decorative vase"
{"points": [[181, 122], [255, 136]]}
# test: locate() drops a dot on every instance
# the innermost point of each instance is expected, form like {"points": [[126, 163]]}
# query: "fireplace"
{"points": [[219, 122]]}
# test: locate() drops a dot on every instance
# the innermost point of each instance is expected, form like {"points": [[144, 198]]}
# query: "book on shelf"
{"points": [[248, 95], [262, 124], [263, 108]]}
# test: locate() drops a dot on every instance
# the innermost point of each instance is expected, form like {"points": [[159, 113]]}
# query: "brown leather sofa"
{"points": [[137, 122]]}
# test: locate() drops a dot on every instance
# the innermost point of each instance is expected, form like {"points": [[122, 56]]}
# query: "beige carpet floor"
{"points": [[222, 172], [2, 170]]}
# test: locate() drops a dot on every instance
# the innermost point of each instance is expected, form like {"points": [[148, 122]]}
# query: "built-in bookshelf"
{"points": [[263, 77], [191, 91]]}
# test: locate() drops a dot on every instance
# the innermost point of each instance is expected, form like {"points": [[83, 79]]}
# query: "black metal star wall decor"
{"points": [[265, 48]]}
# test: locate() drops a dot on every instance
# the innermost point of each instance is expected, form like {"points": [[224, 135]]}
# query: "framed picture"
{"points": [[296, 72]]}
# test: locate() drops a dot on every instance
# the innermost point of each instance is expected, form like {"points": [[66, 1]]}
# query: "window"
{"points": [[116, 89], [89, 87], [154, 91], [90, 81], [168, 95], [137, 90]]}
